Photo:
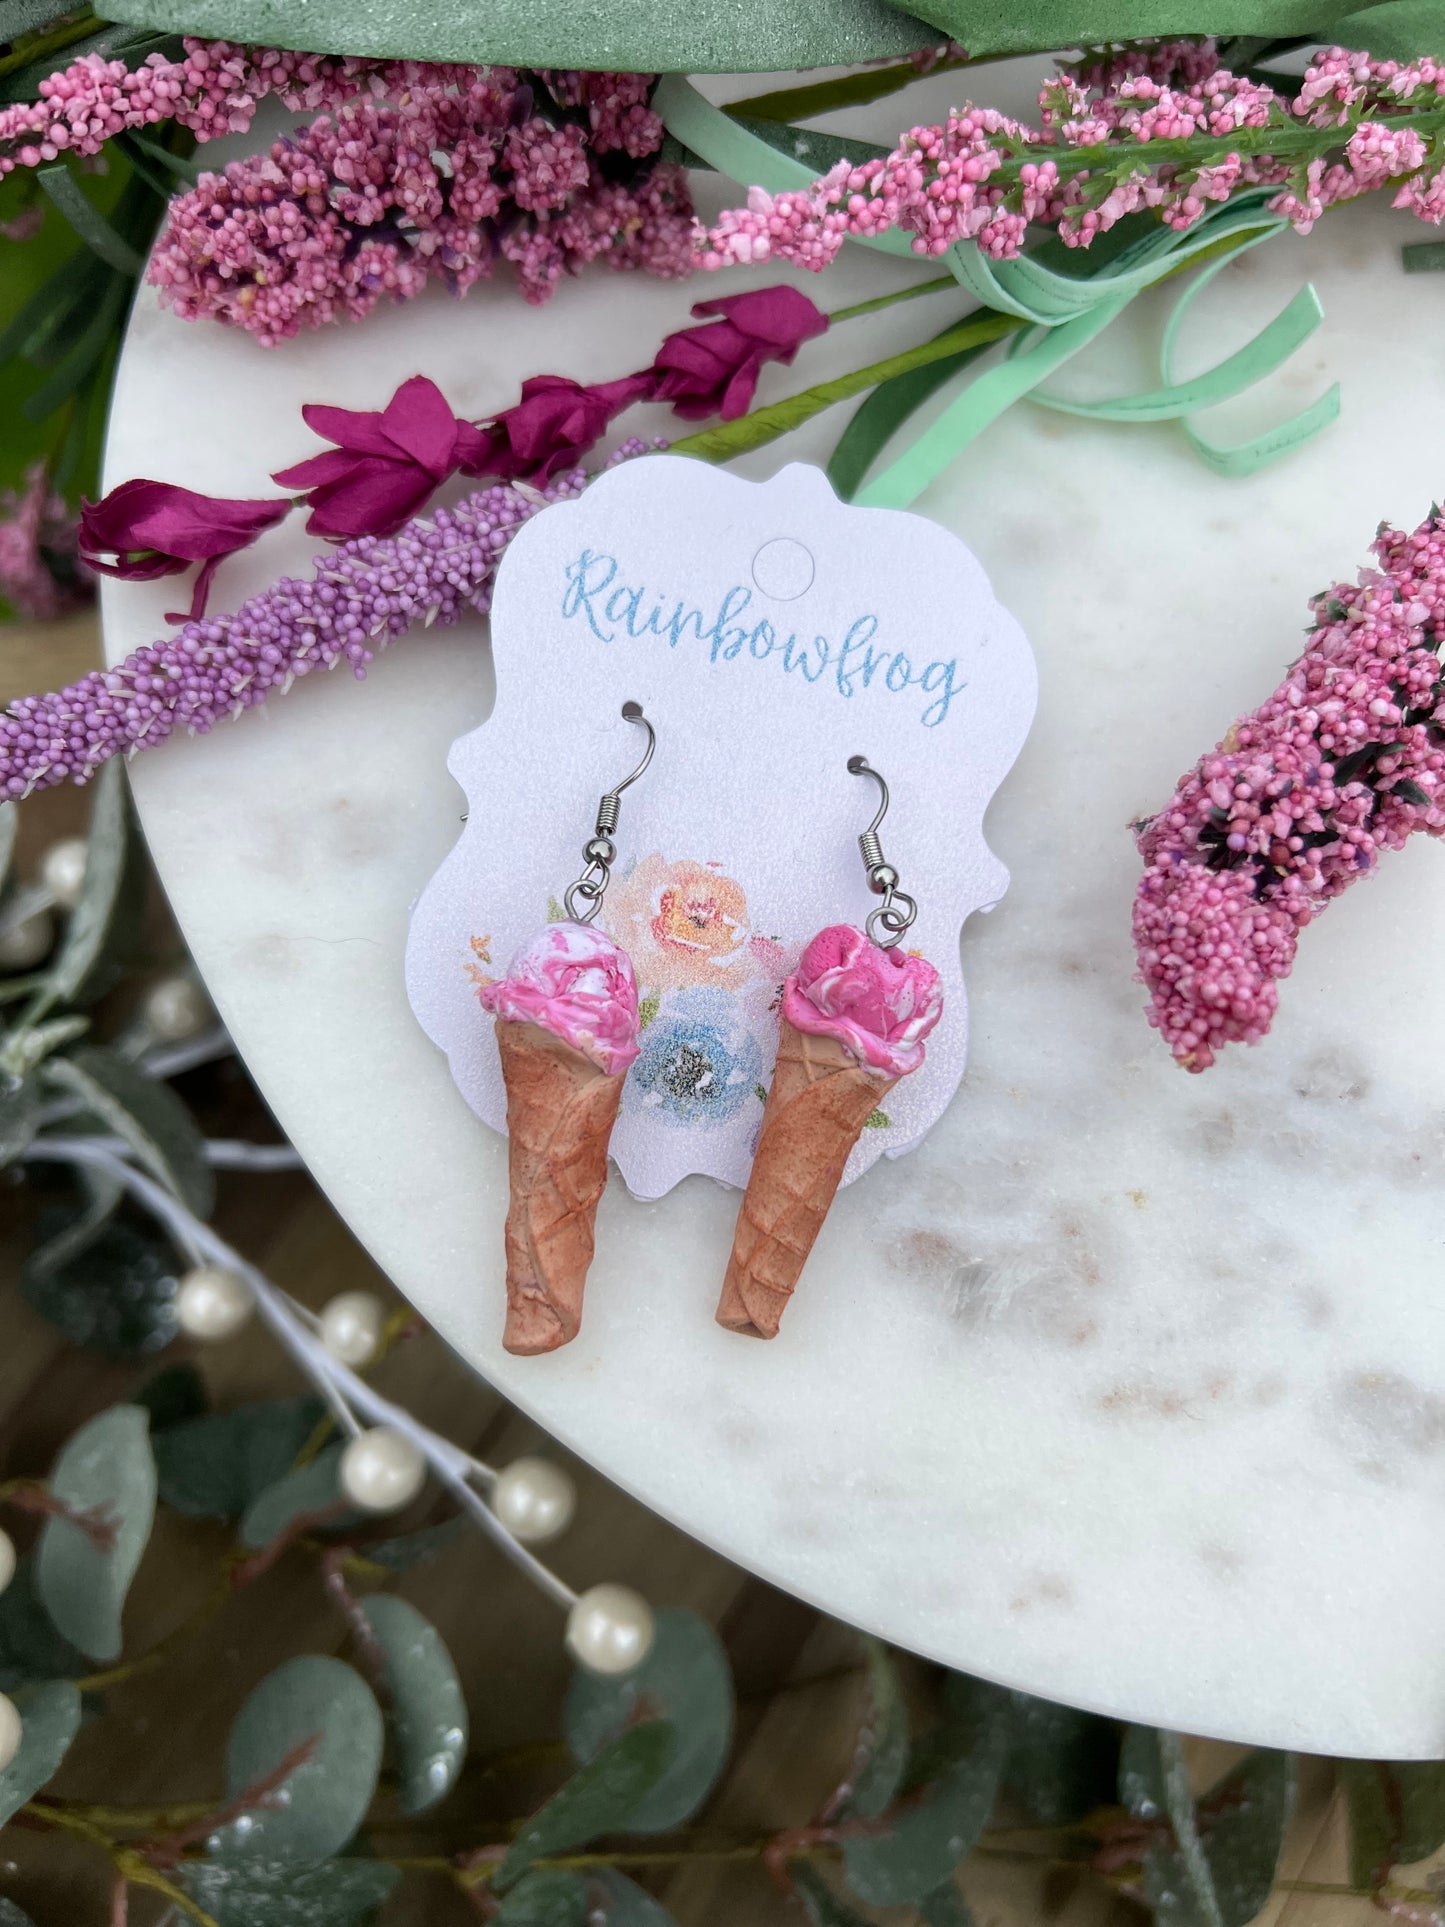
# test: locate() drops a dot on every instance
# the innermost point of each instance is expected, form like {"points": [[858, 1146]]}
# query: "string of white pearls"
{"points": [[176, 1009], [28, 942], [351, 1327], [381, 1470], [11, 1732], [610, 1629]]}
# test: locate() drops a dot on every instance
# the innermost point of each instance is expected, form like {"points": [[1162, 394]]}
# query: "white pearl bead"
{"points": [[610, 1629], [534, 1500], [62, 870], [351, 1327], [176, 1008], [28, 943], [381, 1470], [7, 1559], [212, 1303], [11, 1731]]}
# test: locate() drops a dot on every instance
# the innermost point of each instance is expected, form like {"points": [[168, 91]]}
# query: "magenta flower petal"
{"points": [[557, 421], [386, 462], [713, 369], [144, 529]]}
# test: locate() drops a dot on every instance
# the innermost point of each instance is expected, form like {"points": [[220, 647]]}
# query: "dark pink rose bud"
{"points": [[713, 370], [146, 529], [554, 424], [385, 465]]}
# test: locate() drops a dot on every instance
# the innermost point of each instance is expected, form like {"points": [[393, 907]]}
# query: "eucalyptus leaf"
{"points": [[30, 1647], [684, 1679], [1154, 1785], [1248, 1812], [601, 1797], [1397, 1814], [1061, 1763], [172, 1397], [879, 416], [914, 1849], [24, 16], [309, 1702], [411, 1549], [107, 1468], [882, 1751], [647, 36], [13, 1916], [619, 1902], [105, 916], [945, 1907], [49, 1719], [546, 1897], [25, 1049], [104, 1285], [342, 1893], [146, 1113], [427, 1714], [822, 1906], [309, 1489], [214, 1467]]}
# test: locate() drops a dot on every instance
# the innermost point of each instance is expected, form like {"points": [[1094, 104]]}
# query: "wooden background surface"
{"points": [[797, 1673]]}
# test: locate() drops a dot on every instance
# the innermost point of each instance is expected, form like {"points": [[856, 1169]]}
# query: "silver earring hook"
{"points": [[897, 910], [600, 851]]}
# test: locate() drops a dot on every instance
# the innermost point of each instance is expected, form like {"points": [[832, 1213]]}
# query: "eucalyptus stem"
{"points": [[936, 285]]}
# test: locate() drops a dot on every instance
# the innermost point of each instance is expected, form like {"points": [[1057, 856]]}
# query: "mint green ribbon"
{"points": [[1066, 312]]}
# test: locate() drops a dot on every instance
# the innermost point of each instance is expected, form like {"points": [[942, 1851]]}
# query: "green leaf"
{"points": [[1394, 30], [1248, 1812], [647, 1010], [820, 151], [50, 1718], [112, 896], [80, 1228], [601, 1797], [646, 36], [87, 220], [620, 1902], [880, 416], [427, 1714], [882, 1750], [990, 27], [146, 1113], [684, 1679], [945, 1907], [106, 1467], [1154, 1785], [823, 1907], [311, 1488], [116, 1295], [877, 1121], [343, 1893], [1423, 257], [25, 1050], [215, 1467], [1061, 1763], [411, 1549], [24, 16], [914, 1849], [309, 1701], [172, 1397], [1397, 1814], [547, 1897], [13, 1916], [30, 1647]]}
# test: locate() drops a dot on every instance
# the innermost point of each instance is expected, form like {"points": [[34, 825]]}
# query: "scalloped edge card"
{"points": [[769, 632]]}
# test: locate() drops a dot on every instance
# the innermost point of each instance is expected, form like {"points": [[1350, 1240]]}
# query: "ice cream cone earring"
{"points": [[567, 1027], [855, 1015]]}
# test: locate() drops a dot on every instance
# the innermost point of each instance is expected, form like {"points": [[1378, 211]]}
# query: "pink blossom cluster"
{"points": [[358, 598], [1344, 760], [443, 175], [41, 573], [1112, 143]]}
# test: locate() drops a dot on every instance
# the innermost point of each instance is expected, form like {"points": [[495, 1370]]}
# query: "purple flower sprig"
{"points": [[1344, 760], [358, 599]]}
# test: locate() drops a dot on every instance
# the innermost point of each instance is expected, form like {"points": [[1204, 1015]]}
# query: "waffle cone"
{"points": [[820, 1100], [560, 1111]]}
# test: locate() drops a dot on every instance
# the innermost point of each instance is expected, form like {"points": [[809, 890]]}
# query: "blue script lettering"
{"points": [[608, 605]]}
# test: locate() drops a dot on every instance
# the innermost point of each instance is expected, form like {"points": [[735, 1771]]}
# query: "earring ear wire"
{"points": [[600, 851], [897, 910]]}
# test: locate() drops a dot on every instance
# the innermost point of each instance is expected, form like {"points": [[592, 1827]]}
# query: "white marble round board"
{"points": [[1126, 1387]]}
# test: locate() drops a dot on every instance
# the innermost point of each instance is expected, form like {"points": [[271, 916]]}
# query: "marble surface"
{"points": [[1127, 1387]]}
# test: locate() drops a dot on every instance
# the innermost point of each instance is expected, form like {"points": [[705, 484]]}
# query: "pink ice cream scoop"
{"points": [[880, 1004], [575, 982]]}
